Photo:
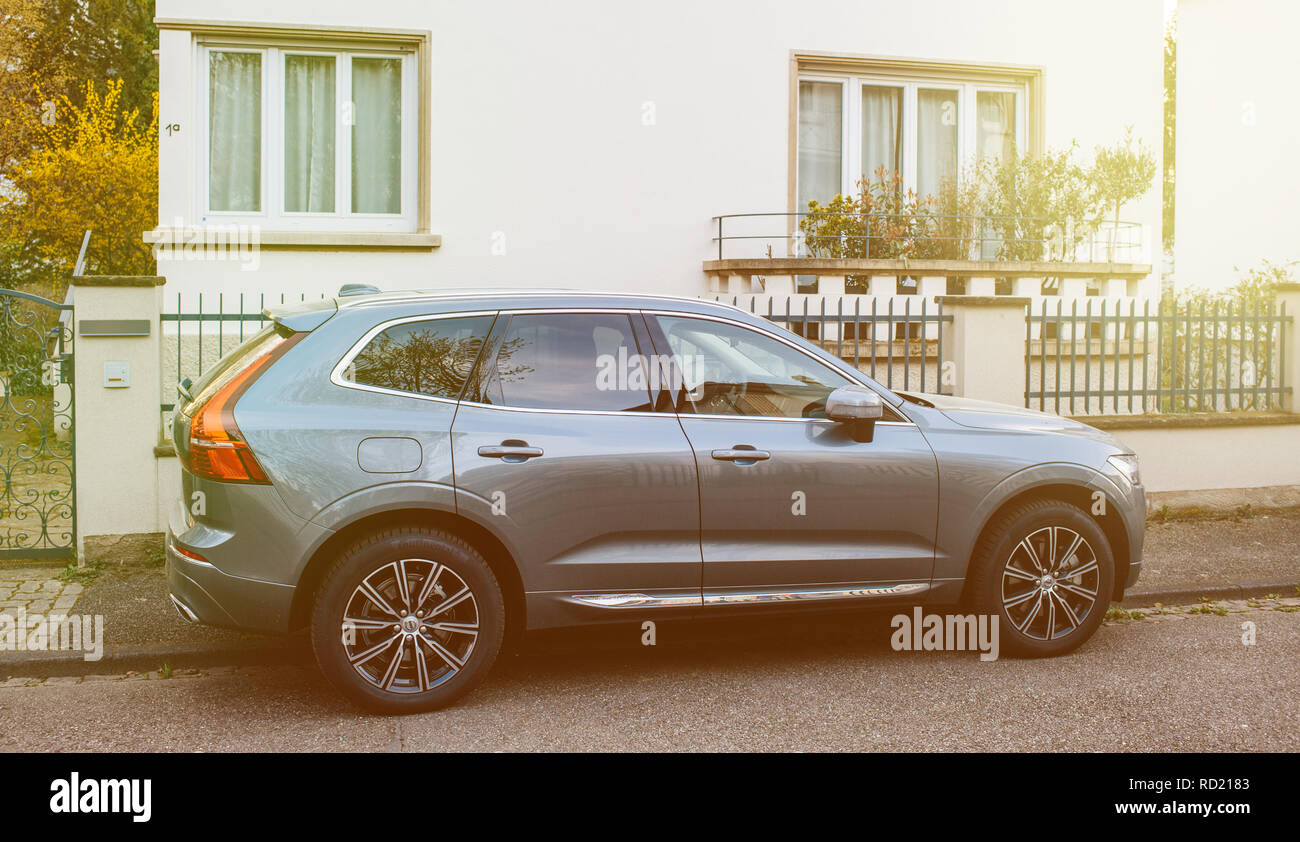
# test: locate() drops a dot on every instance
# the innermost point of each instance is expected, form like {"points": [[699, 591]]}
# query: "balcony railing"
{"points": [[899, 236]]}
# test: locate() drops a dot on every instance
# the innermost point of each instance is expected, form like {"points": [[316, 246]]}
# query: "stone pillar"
{"points": [[830, 284], [884, 286], [986, 343], [117, 388], [737, 284], [781, 285], [1288, 297]]}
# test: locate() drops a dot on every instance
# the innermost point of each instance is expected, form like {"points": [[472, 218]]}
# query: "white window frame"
{"points": [[273, 216], [851, 113]]}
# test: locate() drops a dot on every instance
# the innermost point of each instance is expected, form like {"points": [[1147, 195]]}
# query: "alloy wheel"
{"points": [[410, 626], [1050, 583]]}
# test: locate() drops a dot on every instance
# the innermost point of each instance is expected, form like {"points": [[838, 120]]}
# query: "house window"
{"points": [[309, 139], [851, 126]]}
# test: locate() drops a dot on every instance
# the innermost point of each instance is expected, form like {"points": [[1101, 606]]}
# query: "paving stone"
{"points": [[73, 588], [52, 586], [30, 586], [39, 606], [60, 680], [64, 603]]}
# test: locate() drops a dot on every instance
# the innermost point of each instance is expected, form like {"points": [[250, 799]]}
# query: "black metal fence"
{"points": [[1090, 357], [198, 330], [898, 343]]}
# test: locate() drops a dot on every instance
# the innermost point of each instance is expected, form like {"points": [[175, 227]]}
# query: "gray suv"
{"points": [[416, 476]]}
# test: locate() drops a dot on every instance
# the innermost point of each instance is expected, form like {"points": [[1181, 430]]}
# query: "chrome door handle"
{"points": [[510, 452], [741, 453]]}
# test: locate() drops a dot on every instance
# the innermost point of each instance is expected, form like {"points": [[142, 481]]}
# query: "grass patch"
{"points": [[83, 574], [1209, 608]]}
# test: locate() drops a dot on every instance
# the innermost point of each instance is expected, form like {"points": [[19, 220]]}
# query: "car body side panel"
{"points": [[611, 504], [307, 431], [980, 469], [822, 509]]}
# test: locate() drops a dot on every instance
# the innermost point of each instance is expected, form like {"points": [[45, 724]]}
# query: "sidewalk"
{"points": [[1185, 562]]}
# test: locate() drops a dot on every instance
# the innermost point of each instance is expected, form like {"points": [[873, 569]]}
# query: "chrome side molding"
{"points": [[636, 600], [739, 597], [855, 592]]}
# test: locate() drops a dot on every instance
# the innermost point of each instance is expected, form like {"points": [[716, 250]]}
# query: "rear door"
{"points": [[557, 447]]}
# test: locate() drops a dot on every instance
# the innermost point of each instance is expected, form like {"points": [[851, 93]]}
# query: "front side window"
{"points": [[310, 139], [430, 358], [730, 370], [851, 127], [570, 361]]}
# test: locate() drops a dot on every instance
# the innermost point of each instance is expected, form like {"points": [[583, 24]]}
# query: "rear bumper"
{"points": [[218, 599], [208, 594]]}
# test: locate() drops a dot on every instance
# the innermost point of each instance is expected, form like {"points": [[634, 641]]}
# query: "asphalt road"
{"points": [[1176, 683]]}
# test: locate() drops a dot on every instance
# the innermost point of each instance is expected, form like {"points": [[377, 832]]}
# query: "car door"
{"points": [[788, 498], [557, 447]]}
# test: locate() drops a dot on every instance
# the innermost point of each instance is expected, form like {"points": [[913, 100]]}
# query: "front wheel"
{"points": [[408, 620], [1045, 569]]}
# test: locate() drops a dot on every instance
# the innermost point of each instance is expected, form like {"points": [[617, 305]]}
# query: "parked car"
{"points": [[416, 475]]}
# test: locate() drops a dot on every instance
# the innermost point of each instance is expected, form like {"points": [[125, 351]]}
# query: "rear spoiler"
{"points": [[304, 316]]}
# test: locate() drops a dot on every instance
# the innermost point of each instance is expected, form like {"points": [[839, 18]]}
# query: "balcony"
{"points": [[889, 255]]}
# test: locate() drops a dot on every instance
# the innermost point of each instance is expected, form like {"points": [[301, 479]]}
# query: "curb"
{"points": [[1185, 595], [297, 649], [121, 659]]}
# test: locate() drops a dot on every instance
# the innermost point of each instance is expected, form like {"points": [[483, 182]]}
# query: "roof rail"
{"points": [[357, 289]]}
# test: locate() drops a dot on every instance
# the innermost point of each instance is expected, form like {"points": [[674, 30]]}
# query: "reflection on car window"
{"points": [[729, 370], [574, 361], [430, 358]]}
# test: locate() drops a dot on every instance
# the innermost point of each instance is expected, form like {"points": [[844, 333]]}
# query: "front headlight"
{"points": [[1126, 464]]}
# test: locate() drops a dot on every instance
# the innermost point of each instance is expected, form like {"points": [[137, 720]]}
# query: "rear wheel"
{"points": [[1045, 569], [408, 620]]}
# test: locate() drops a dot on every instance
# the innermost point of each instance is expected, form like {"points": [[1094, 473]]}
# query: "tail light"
{"points": [[217, 449]]}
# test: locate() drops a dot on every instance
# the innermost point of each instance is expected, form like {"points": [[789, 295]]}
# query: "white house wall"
{"points": [[1238, 138], [538, 134]]}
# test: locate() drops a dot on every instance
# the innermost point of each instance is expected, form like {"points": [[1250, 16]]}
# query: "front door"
{"points": [[788, 498]]}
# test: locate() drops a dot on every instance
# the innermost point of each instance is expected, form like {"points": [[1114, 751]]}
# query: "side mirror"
{"points": [[857, 406]]}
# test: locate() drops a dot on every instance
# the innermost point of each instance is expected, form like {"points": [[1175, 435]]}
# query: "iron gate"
{"points": [[38, 516]]}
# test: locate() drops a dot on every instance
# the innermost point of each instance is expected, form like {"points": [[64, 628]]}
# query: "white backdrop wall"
{"points": [[538, 134]]}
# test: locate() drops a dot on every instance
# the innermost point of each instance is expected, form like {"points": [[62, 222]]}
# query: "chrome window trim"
{"points": [[336, 374], [337, 378]]}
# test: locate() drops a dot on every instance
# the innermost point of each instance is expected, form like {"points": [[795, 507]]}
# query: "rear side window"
{"points": [[569, 361], [431, 357]]}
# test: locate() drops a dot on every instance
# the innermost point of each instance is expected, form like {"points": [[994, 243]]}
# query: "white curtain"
{"points": [[309, 121], [995, 113], [821, 132], [377, 135], [235, 131], [882, 130], [936, 139]]}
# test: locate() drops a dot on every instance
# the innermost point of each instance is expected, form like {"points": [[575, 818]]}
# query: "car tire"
{"points": [[1043, 611], [407, 620]]}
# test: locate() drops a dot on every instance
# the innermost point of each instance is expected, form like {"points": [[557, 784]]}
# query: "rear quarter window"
{"points": [[429, 357]]}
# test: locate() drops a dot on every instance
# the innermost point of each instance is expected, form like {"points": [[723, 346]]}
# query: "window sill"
{"points": [[329, 240]]}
